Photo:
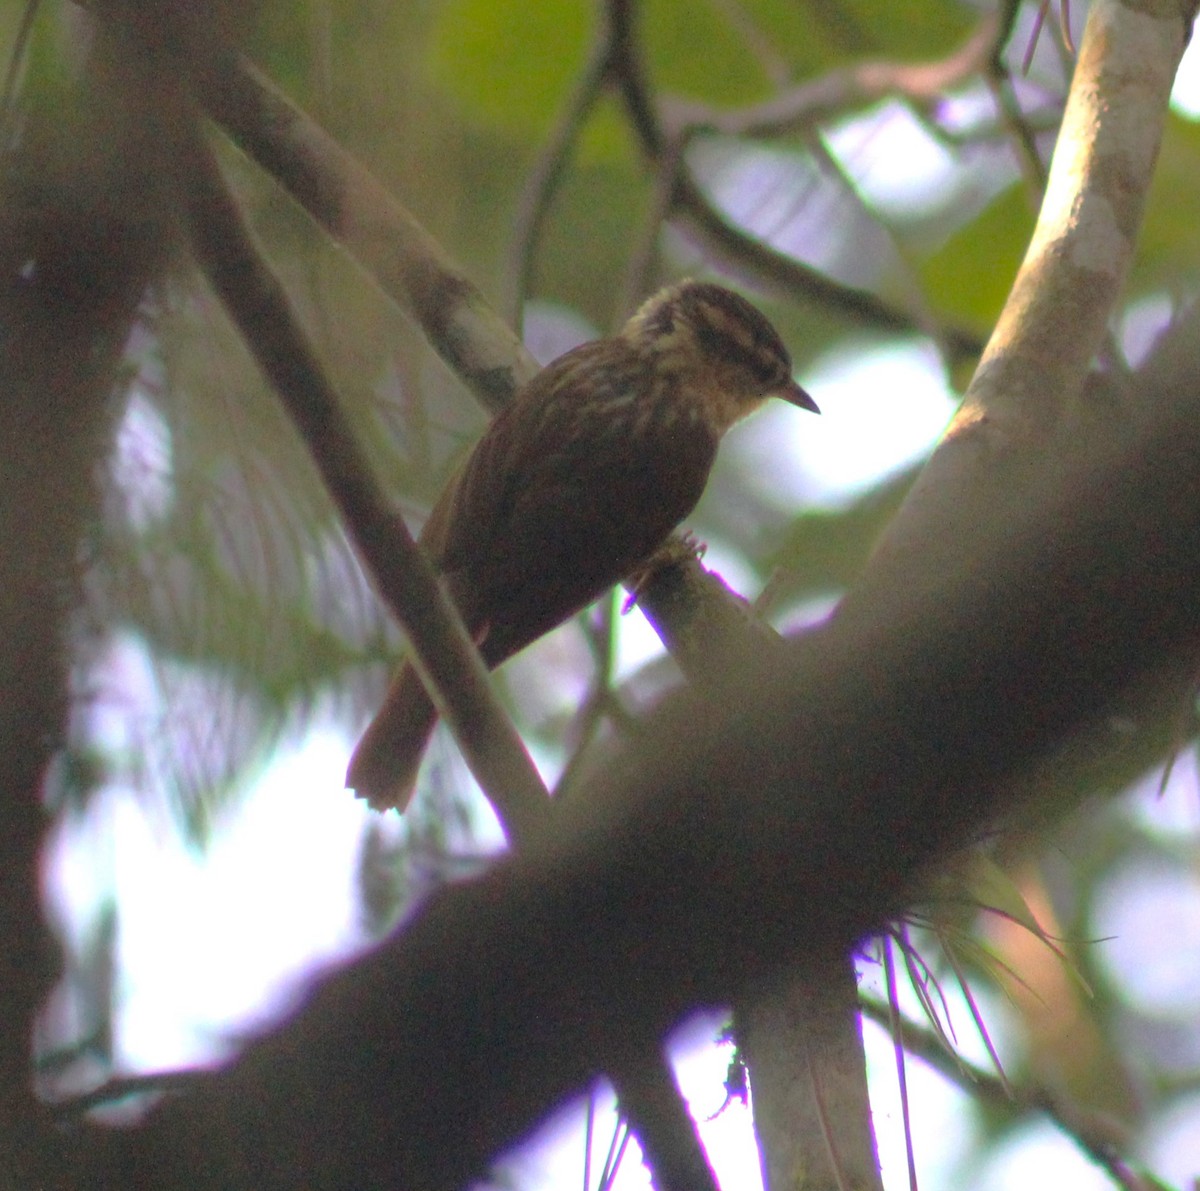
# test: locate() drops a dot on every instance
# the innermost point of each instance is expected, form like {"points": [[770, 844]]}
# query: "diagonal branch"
{"points": [[842, 91], [445, 656], [691, 866], [1032, 375], [354, 207], [1092, 1133], [448, 661], [548, 171]]}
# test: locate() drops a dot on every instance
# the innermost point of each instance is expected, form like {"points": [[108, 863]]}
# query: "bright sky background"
{"points": [[209, 943]]}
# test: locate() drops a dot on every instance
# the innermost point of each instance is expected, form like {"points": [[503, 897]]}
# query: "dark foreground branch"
{"points": [[260, 309], [738, 840]]}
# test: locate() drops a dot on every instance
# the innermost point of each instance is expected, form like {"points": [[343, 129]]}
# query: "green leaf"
{"points": [[815, 37], [969, 276], [692, 50], [510, 64], [1169, 243], [825, 550]]}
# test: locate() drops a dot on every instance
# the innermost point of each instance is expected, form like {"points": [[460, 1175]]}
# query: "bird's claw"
{"points": [[678, 548]]}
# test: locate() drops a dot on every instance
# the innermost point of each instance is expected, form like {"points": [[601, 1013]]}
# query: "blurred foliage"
{"points": [[823, 550], [972, 272], [217, 551], [1169, 245]]}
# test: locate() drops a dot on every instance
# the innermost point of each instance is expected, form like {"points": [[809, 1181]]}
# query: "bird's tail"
{"points": [[383, 769]]}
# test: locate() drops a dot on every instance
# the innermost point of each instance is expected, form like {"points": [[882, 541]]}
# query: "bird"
{"points": [[574, 486]]}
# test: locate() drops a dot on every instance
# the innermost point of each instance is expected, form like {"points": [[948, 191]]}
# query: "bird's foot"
{"points": [[678, 548]]}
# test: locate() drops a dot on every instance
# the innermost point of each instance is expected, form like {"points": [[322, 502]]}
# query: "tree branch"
{"points": [[1094, 1135], [84, 228], [350, 203], [448, 661], [1032, 374], [547, 172], [731, 845], [841, 91]]}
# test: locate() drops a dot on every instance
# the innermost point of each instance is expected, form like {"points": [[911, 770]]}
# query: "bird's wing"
{"points": [[528, 440], [571, 488]]}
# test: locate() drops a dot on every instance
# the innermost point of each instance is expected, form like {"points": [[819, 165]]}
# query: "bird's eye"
{"points": [[767, 370]]}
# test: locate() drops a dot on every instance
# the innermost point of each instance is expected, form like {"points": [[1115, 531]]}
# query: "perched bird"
{"points": [[575, 484]]}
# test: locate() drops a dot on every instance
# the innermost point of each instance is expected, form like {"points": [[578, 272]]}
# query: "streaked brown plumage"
{"points": [[576, 483]]}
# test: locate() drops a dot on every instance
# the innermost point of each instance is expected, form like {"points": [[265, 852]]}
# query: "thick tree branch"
{"points": [[1053, 324], [448, 661], [737, 842]]}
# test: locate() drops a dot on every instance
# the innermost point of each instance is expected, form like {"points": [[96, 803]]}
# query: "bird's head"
{"points": [[717, 348]]}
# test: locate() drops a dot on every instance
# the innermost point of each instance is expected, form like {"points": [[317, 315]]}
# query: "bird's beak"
{"points": [[795, 395]]}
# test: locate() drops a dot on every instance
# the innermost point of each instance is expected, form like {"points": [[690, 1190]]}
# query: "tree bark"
{"points": [[736, 841], [81, 235]]}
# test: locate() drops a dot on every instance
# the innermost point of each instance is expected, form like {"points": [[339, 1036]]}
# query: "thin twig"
{"points": [[985, 132], [774, 64], [1017, 124], [832, 166], [755, 259], [121, 1087], [616, 1152], [589, 1129], [973, 1008], [643, 257], [841, 91], [889, 970], [599, 698], [16, 60]]}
